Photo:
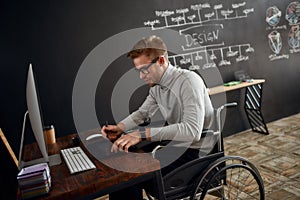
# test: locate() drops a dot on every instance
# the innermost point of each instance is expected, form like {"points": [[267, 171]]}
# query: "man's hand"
{"points": [[126, 141], [111, 132]]}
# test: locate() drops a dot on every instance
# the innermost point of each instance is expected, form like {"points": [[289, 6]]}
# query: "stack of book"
{"points": [[34, 180]]}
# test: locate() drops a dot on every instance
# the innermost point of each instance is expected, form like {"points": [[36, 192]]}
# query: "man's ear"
{"points": [[161, 60]]}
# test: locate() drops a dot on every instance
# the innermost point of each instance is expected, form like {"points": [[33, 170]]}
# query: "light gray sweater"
{"points": [[183, 100]]}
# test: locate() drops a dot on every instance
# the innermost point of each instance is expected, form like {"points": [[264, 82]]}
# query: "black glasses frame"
{"points": [[144, 70]]}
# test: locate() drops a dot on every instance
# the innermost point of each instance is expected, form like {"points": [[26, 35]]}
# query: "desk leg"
{"points": [[159, 185], [252, 108]]}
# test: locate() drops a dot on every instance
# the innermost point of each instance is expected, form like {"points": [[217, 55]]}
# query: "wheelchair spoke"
{"points": [[242, 185], [236, 181]]}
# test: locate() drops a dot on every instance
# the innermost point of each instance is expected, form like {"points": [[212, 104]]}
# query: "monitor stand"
{"points": [[52, 160]]}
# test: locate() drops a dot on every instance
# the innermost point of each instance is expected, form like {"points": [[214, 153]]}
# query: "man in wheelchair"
{"points": [[182, 98]]}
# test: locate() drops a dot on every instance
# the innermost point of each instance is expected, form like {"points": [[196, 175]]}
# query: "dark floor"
{"points": [[277, 156]]}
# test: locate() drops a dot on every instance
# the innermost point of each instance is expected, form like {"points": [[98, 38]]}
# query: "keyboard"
{"points": [[77, 160]]}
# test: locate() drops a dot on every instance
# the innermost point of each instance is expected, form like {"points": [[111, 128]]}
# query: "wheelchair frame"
{"points": [[214, 176]]}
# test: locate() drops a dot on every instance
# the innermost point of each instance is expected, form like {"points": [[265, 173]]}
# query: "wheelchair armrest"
{"points": [[155, 149], [164, 143], [161, 145]]}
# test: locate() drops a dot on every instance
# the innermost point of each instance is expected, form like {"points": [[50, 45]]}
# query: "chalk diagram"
{"points": [[273, 16], [294, 39], [293, 13], [292, 16], [200, 26], [275, 41]]}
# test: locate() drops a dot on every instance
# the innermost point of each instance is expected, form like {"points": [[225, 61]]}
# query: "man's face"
{"points": [[149, 69]]}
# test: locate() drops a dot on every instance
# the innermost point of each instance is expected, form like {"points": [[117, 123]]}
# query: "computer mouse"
{"points": [[76, 140], [93, 136]]}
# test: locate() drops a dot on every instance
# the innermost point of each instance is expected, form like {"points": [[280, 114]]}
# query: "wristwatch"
{"points": [[142, 131]]}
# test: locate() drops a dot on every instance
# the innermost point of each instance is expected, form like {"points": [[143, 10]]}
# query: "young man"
{"points": [[179, 94]]}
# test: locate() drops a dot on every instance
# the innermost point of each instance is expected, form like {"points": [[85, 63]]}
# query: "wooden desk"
{"points": [[252, 104], [99, 181], [222, 88]]}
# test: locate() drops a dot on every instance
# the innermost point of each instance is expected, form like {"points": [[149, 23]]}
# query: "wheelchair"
{"points": [[214, 176]]}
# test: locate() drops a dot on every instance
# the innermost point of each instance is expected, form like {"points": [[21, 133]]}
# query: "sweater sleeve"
{"points": [[147, 109]]}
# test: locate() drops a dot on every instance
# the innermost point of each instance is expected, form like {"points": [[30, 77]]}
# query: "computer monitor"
{"points": [[33, 107]]}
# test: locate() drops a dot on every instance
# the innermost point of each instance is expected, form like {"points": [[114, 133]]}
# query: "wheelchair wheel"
{"points": [[228, 178]]}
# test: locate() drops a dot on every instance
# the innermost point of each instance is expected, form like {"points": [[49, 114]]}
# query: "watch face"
{"points": [[273, 15], [293, 13], [294, 37], [275, 41]]}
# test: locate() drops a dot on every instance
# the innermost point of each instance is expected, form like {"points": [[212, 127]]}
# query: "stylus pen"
{"points": [[129, 131]]}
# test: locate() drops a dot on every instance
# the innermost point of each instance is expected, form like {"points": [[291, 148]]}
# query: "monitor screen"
{"points": [[36, 125], [34, 113]]}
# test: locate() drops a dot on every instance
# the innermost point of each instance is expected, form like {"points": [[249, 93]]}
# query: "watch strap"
{"points": [[142, 131]]}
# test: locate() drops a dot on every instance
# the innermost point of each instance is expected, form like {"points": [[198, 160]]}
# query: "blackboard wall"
{"points": [[57, 36]]}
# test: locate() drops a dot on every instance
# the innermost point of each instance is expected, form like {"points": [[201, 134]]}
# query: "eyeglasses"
{"points": [[144, 70]]}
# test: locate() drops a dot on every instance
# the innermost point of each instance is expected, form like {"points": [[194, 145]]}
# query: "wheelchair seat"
{"points": [[182, 181]]}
